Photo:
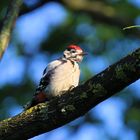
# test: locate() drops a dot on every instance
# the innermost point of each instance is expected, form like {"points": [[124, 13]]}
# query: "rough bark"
{"points": [[61, 110], [8, 24]]}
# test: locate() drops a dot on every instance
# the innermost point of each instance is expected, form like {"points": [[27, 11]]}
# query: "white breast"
{"points": [[64, 76]]}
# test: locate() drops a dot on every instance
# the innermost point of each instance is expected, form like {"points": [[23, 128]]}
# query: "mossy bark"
{"points": [[8, 24], [50, 115]]}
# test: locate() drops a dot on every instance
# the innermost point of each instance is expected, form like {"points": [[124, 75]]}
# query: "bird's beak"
{"points": [[84, 53]]}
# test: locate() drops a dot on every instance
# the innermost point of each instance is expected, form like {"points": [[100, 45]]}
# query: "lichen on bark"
{"points": [[47, 116]]}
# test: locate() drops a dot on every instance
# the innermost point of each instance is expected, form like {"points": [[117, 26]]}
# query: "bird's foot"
{"points": [[71, 88]]}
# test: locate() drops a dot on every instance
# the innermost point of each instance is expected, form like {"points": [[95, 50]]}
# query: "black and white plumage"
{"points": [[59, 76]]}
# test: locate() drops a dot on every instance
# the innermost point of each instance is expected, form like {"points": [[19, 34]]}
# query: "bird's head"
{"points": [[74, 53]]}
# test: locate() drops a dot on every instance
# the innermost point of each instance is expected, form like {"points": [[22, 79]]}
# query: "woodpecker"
{"points": [[59, 76]]}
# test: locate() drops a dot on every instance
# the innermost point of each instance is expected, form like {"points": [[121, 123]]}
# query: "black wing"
{"points": [[44, 82]]}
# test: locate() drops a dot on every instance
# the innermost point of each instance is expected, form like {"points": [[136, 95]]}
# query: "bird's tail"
{"points": [[38, 98]]}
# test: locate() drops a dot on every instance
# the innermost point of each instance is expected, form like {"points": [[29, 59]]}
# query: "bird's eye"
{"points": [[73, 51]]}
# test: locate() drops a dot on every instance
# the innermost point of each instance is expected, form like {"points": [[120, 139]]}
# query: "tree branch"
{"points": [[98, 10], [103, 13], [50, 115], [8, 24]]}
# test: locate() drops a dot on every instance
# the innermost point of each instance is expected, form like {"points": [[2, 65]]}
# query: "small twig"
{"points": [[130, 27]]}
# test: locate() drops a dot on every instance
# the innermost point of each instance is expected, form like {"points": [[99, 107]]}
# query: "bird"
{"points": [[60, 75]]}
